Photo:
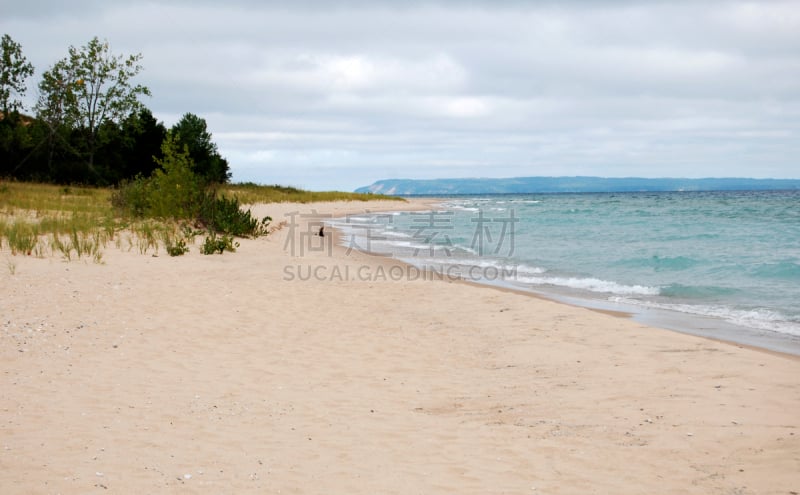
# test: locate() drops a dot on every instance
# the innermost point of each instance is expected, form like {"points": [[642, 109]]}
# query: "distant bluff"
{"points": [[522, 185]]}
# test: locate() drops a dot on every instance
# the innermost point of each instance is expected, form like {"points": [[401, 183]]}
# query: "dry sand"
{"points": [[217, 374]]}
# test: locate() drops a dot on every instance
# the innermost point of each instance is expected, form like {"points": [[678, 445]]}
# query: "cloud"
{"points": [[341, 93]]}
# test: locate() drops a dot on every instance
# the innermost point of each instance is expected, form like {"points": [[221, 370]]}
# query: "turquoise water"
{"points": [[726, 258]]}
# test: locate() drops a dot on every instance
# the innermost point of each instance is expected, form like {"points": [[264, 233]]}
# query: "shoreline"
{"points": [[713, 328], [219, 373]]}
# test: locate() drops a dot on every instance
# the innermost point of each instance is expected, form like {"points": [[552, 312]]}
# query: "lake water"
{"points": [[723, 264]]}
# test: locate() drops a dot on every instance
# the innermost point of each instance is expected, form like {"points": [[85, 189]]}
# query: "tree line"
{"points": [[89, 125]]}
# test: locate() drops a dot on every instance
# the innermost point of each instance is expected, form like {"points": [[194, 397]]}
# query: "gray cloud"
{"points": [[338, 94]]}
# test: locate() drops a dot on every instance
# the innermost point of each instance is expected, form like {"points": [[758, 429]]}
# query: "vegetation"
{"points": [[93, 88], [214, 244], [40, 219], [174, 191], [192, 132], [221, 214], [14, 71], [250, 193], [90, 126], [77, 222], [124, 177]]}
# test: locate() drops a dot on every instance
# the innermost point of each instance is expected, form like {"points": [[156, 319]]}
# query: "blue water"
{"points": [[731, 258]]}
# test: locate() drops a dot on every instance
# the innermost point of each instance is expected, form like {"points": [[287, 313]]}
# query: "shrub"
{"points": [[133, 197], [221, 214], [175, 191], [214, 244], [178, 249]]}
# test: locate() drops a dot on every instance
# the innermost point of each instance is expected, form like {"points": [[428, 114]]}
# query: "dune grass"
{"points": [[37, 197], [250, 193], [77, 222], [41, 219]]}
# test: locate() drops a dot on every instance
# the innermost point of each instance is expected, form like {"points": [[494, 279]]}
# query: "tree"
{"points": [[143, 136], [15, 141], [128, 149], [131, 147], [14, 70], [192, 132], [56, 98], [16, 144], [90, 88], [176, 191]]}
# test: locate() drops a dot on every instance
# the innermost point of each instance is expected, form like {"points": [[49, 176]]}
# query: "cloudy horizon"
{"points": [[337, 95]]}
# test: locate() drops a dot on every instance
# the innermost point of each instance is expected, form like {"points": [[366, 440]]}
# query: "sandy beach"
{"points": [[297, 366]]}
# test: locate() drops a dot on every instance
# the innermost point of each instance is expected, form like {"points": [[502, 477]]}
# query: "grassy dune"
{"points": [[78, 222], [249, 193]]}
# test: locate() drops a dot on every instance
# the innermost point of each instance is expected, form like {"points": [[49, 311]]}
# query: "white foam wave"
{"points": [[390, 233], [759, 319], [486, 263], [591, 284], [402, 244]]}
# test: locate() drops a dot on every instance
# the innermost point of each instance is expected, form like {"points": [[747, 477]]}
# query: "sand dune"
{"points": [[230, 374]]}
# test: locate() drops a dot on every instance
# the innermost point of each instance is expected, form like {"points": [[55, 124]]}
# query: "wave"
{"points": [[686, 237], [391, 233], [418, 246], [371, 220], [592, 285], [696, 291], [756, 318], [781, 270], [501, 266], [660, 263]]}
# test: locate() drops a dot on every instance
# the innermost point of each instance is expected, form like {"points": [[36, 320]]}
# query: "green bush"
{"points": [[178, 249], [221, 214], [175, 191], [214, 244], [172, 191], [133, 197]]}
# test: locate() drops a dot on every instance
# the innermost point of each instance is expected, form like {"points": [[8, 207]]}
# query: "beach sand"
{"points": [[232, 374]]}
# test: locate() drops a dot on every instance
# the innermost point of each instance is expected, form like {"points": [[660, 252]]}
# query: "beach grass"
{"points": [[38, 197], [250, 193], [41, 219], [78, 222]]}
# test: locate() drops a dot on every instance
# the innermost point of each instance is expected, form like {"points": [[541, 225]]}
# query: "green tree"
{"points": [[176, 192], [16, 144], [57, 96], [15, 141], [192, 131], [128, 149], [14, 70], [90, 88], [145, 135]]}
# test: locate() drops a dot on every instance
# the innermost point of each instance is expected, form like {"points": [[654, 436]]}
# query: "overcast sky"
{"points": [[337, 94]]}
